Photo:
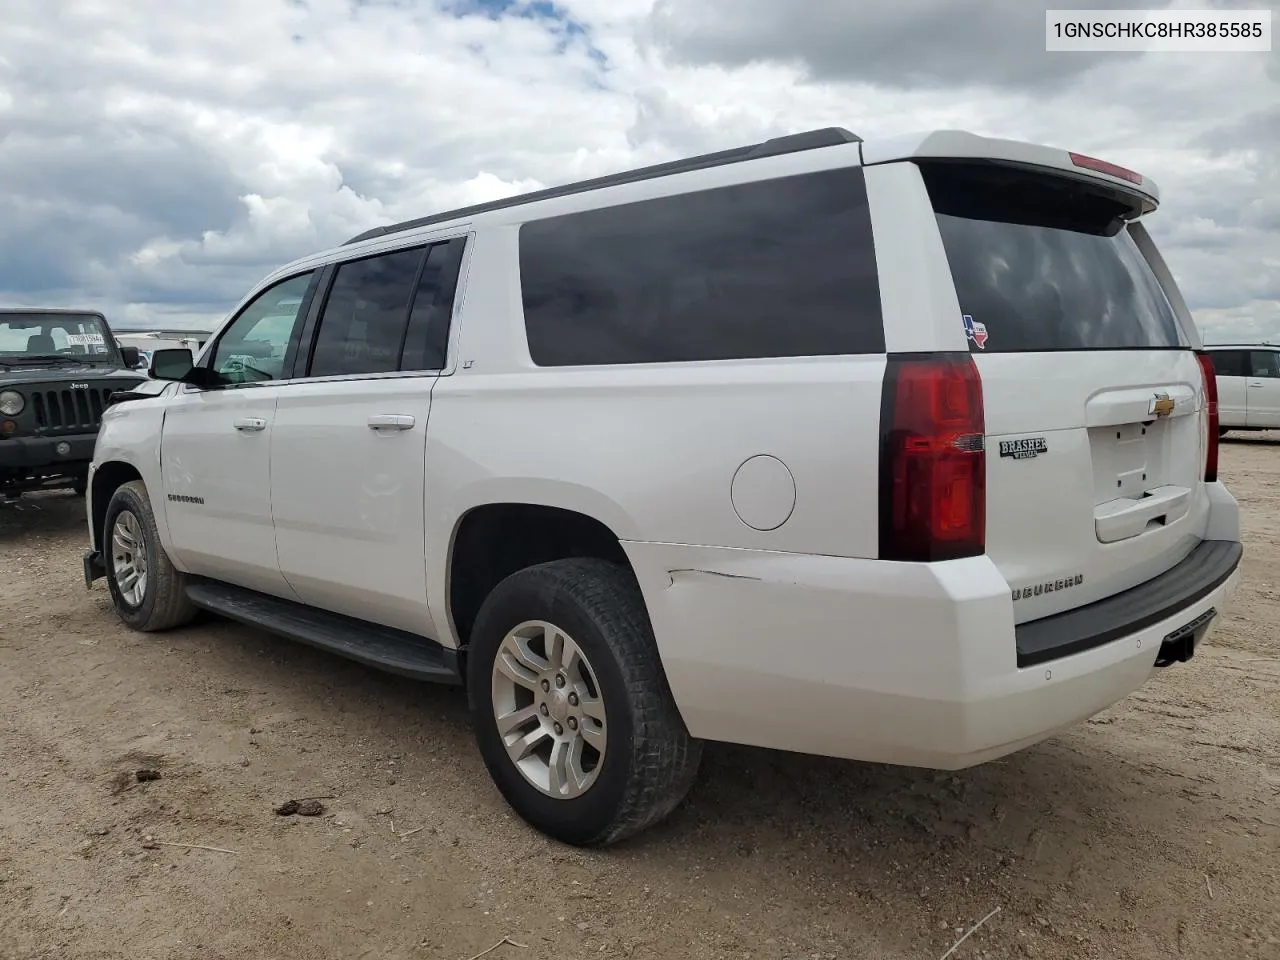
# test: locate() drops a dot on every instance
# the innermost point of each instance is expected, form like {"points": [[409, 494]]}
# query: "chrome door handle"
{"points": [[250, 424], [391, 421], [1255, 383]]}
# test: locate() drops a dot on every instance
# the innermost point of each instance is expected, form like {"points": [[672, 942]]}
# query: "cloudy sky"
{"points": [[158, 156]]}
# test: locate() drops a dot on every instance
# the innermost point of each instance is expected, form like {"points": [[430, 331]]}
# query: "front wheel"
{"points": [[149, 594], [572, 711]]}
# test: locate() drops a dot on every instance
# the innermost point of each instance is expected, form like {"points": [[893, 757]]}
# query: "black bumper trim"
{"points": [[36, 452], [1206, 568]]}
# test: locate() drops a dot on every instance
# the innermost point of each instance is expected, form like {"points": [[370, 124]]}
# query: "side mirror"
{"points": [[177, 365], [130, 357], [171, 364]]}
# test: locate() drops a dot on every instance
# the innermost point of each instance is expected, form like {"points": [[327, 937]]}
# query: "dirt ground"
{"points": [[1152, 831]]}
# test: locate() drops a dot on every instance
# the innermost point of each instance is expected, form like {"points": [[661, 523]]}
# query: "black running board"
{"points": [[384, 648]]}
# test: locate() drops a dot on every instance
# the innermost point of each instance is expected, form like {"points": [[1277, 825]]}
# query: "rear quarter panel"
{"points": [[650, 450]]}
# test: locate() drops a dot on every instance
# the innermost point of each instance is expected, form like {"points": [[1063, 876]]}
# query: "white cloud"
{"points": [[907, 43], [1251, 322], [164, 154]]}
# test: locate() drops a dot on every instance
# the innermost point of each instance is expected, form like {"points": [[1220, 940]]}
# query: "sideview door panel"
{"points": [[1263, 389], [215, 465], [215, 448], [347, 492], [348, 455]]}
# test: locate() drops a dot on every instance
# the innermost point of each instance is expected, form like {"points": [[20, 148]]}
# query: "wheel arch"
{"points": [[128, 448], [108, 477], [491, 540]]}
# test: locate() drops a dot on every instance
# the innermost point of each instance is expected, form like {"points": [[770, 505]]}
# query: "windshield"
{"points": [[82, 337]]}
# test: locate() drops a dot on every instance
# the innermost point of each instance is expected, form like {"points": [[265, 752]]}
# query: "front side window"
{"points": [[1266, 363], [772, 268], [253, 347]]}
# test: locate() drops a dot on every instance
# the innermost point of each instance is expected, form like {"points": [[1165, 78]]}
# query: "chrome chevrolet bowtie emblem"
{"points": [[1161, 405]]}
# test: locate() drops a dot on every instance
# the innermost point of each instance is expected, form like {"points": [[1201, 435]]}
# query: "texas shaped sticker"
{"points": [[977, 332]]}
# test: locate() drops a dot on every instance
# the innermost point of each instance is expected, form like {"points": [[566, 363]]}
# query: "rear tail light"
{"points": [[1211, 404], [933, 490]]}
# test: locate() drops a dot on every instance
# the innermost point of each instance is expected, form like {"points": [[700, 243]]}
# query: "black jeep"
{"points": [[58, 371]]}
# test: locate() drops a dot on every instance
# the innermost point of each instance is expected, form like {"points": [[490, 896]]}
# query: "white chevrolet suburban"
{"points": [[1248, 386], [901, 452]]}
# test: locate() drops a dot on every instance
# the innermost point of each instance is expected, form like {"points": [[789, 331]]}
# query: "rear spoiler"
{"points": [[959, 145]]}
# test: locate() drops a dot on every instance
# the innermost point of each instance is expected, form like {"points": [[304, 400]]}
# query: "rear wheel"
{"points": [[149, 594], [572, 711]]}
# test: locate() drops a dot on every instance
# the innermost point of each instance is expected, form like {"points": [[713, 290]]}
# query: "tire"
{"points": [[163, 603], [648, 761]]}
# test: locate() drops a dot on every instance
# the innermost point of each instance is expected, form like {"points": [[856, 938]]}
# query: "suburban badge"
{"points": [[1049, 586]]}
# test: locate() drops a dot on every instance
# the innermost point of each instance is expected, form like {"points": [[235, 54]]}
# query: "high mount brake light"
{"points": [[1101, 166], [933, 494]]}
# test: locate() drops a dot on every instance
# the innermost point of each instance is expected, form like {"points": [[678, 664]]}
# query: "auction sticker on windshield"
{"points": [[84, 339]]}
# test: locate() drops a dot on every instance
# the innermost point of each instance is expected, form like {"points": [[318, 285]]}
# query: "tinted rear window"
{"points": [[1230, 363], [1265, 363], [1043, 263], [776, 268]]}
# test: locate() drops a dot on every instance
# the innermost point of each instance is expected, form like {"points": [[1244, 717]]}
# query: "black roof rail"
{"points": [[792, 143]]}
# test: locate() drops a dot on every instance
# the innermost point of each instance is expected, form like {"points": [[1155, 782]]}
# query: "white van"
{"points": [[901, 451], [1248, 386]]}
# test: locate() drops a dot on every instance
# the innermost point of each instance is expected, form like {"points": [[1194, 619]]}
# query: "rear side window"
{"points": [[427, 339], [1043, 263], [388, 312], [366, 315], [777, 268]]}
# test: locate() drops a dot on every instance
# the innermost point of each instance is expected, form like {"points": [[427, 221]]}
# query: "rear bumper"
{"points": [[913, 664], [1051, 638], [43, 452]]}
